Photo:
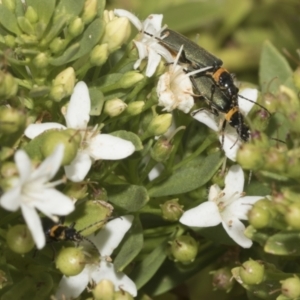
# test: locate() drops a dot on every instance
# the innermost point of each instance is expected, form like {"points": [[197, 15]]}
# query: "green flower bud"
{"points": [[159, 124], [69, 138], [10, 41], [104, 290], [19, 239], [171, 210], [11, 120], [258, 217], [292, 216], [76, 27], [252, 272], [63, 84], [184, 249], [135, 108], [250, 157], [274, 160], [290, 287], [99, 55], [89, 11], [117, 32], [122, 295], [114, 107], [270, 102], [41, 61], [25, 25], [28, 39], [293, 162], [291, 193], [57, 45], [31, 15], [8, 85], [161, 150], [296, 77], [222, 280], [76, 190], [70, 261], [130, 79], [8, 169]]}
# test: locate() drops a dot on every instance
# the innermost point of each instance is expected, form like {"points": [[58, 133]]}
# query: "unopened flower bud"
{"points": [[10, 41], [25, 25], [258, 217], [29, 39], [63, 84], [76, 27], [114, 107], [99, 55], [249, 157], [274, 160], [31, 15], [69, 138], [184, 249], [8, 85], [8, 169], [222, 279], [10, 4], [296, 77], [290, 287], [104, 290], [76, 190], [89, 11], [70, 261], [161, 150], [292, 216], [159, 124], [171, 210], [135, 108], [19, 239], [11, 120], [41, 60], [57, 45], [130, 78], [122, 295], [270, 102], [252, 272], [117, 31]]}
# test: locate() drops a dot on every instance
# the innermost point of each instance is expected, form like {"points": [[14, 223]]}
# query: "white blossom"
{"points": [[106, 240], [227, 206], [231, 142], [33, 191], [94, 146], [146, 42]]}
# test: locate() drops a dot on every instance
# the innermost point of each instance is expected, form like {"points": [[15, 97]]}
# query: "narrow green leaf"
{"points": [[284, 243], [129, 136], [44, 9], [273, 65], [8, 20], [144, 271], [128, 197], [190, 177], [67, 55], [131, 247], [69, 7], [97, 101]]}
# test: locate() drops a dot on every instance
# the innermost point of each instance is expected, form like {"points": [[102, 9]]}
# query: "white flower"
{"points": [[228, 207], [106, 241], [94, 146], [148, 44], [33, 191], [232, 141]]}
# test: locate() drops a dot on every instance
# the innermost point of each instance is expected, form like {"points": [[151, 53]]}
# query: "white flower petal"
{"points": [[119, 279], [131, 17], [11, 199], [78, 111], [204, 215], [72, 287], [234, 182], [156, 171], [153, 61], [235, 229], [241, 207], [214, 192], [34, 224], [207, 118], [153, 23], [231, 143], [52, 202], [23, 164], [34, 130], [143, 52], [106, 146], [244, 105], [108, 238], [79, 167], [49, 167]]}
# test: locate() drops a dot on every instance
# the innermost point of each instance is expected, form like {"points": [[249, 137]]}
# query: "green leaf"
{"points": [[108, 79], [88, 40], [128, 197], [144, 271], [189, 177], [8, 20], [44, 9], [97, 101], [273, 65], [284, 243], [66, 56], [69, 8], [131, 246], [129, 136]]}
